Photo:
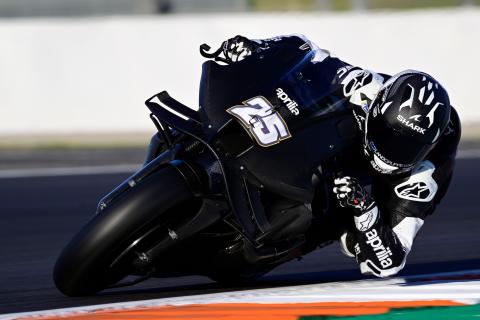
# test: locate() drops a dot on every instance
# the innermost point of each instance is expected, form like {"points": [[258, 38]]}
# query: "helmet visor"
{"points": [[391, 146]]}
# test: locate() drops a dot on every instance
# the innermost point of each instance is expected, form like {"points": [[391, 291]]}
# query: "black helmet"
{"points": [[404, 121]]}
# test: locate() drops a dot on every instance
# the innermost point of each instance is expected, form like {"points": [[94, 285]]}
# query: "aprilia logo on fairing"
{"points": [[381, 252], [409, 124], [292, 105]]}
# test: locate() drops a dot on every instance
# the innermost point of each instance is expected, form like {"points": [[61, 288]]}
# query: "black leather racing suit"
{"points": [[404, 201]]}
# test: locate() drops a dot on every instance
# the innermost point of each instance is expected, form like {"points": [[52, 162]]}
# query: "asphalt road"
{"points": [[39, 215]]}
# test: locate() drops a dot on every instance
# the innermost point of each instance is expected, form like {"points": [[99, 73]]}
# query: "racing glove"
{"points": [[375, 245], [351, 194], [238, 47]]}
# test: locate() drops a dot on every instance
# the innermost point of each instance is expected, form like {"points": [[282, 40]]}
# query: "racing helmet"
{"points": [[405, 121]]}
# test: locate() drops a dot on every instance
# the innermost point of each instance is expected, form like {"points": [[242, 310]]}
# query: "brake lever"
{"points": [[204, 48]]}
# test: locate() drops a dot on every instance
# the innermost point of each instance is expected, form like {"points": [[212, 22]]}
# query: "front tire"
{"points": [[83, 267]]}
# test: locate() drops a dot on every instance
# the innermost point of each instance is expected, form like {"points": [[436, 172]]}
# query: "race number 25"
{"points": [[264, 123]]}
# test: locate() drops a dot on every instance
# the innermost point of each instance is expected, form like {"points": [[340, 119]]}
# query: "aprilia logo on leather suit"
{"points": [[383, 253], [292, 105]]}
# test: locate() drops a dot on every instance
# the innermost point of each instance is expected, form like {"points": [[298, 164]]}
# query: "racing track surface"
{"points": [[38, 215]]}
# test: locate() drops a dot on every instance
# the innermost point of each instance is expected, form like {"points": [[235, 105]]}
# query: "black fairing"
{"points": [[322, 128]]}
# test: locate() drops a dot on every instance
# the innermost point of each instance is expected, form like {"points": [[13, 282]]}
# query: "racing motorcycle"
{"points": [[225, 191]]}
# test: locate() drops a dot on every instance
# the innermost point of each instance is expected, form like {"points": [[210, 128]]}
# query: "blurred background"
{"points": [[29, 8], [74, 75], [76, 72]]}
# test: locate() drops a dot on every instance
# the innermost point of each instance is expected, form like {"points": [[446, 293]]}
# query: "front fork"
{"points": [[156, 147]]}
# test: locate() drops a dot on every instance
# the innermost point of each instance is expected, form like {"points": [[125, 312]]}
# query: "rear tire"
{"points": [[83, 267]]}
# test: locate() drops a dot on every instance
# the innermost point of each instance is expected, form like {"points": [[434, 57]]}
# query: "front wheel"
{"points": [[83, 267]]}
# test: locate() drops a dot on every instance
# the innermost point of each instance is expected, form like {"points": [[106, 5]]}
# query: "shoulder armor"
{"points": [[420, 186]]}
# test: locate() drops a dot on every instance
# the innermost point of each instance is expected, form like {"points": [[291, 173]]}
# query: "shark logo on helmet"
{"points": [[426, 90], [410, 124]]}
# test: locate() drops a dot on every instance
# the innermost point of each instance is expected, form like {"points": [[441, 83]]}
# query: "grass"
{"points": [[341, 5], [411, 4]]}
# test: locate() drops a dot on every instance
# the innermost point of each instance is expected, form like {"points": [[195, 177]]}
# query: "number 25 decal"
{"points": [[259, 118]]}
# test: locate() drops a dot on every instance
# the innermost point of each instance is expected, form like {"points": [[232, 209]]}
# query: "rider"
{"points": [[408, 135]]}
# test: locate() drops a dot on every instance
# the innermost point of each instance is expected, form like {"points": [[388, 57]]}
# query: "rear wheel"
{"points": [[85, 265]]}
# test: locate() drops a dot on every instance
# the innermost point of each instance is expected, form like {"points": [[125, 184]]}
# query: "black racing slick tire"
{"points": [[83, 267]]}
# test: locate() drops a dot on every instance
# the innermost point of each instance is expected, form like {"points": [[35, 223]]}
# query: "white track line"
{"points": [[126, 168], [392, 289], [67, 171], [468, 154]]}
